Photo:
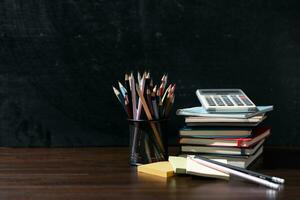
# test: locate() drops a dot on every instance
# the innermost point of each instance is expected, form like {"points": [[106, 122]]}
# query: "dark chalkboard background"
{"points": [[59, 58]]}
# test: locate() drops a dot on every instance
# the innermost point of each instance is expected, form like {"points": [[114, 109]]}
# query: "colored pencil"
{"points": [[127, 85], [142, 87], [120, 98], [149, 101], [133, 96], [122, 89], [156, 133]]}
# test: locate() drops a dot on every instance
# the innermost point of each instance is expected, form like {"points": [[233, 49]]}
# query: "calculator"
{"points": [[225, 100]]}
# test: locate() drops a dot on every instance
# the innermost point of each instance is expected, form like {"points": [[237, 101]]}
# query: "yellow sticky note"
{"points": [[194, 168], [178, 164], [162, 169]]}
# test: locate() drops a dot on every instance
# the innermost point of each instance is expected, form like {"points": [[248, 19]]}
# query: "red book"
{"points": [[256, 136]]}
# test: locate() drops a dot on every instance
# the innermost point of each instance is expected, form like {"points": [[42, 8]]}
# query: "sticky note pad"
{"points": [[178, 164], [162, 169], [197, 169]]}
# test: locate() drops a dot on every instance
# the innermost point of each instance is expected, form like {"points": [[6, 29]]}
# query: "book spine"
{"points": [[240, 143]]}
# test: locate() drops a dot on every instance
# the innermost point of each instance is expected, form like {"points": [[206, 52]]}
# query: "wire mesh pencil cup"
{"points": [[148, 141]]}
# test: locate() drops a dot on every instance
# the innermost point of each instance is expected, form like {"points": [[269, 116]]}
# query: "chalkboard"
{"points": [[59, 59]]}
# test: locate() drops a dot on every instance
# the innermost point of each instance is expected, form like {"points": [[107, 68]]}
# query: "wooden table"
{"points": [[104, 173]]}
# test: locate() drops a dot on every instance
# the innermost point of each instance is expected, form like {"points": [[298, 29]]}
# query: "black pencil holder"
{"points": [[148, 141]]}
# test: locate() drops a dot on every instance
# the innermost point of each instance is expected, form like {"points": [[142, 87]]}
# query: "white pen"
{"points": [[252, 173], [236, 173]]}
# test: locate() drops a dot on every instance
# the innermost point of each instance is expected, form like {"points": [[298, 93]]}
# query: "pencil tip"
{"points": [[120, 84], [115, 89]]}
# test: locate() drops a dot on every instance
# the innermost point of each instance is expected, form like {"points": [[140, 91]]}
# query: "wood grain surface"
{"points": [[104, 173]]}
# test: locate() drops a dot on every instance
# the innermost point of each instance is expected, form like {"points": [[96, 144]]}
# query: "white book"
{"points": [[201, 112], [237, 161], [254, 119], [222, 150], [243, 161]]}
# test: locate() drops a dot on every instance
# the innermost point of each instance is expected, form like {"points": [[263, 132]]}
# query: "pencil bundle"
{"points": [[143, 100], [138, 96]]}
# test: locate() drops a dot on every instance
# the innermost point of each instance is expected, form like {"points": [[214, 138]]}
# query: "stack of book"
{"points": [[235, 137]]}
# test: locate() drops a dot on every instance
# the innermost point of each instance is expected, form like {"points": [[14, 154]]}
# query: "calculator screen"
{"points": [[220, 92]]}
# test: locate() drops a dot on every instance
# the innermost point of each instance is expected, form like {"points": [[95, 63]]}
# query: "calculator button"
{"points": [[210, 101], [245, 100], [227, 100], [219, 101], [236, 100]]}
